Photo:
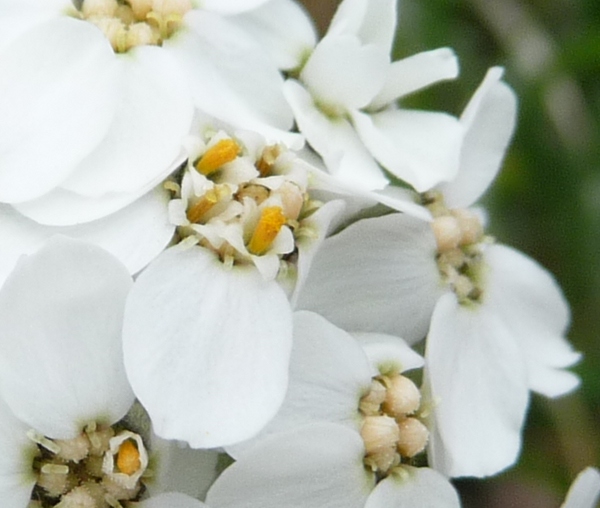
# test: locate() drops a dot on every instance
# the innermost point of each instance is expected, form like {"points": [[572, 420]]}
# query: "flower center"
{"points": [[247, 205], [392, 429], [459, 236], [130, 23], [100, 467]]}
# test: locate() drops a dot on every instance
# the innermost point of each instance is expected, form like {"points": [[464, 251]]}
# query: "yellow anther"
{"points": [[221, 153], [128, 458], [270, 223], [206, 202]]}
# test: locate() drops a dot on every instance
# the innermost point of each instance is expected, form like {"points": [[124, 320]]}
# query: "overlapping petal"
{"points": [[479, 385], [61, 315], [377, 275], [207, 347]]}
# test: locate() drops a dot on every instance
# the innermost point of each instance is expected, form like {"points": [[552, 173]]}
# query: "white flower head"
{"points": [[344, 102], [118, 83], [208, 325], [351, 421], [495, 320]]}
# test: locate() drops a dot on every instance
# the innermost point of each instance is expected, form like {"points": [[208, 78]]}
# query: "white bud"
{"points": [[470, 226], [402, 397], [413, 437], [100, 8], [447, 232]]}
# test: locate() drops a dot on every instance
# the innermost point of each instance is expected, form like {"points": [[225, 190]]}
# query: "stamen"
{"points": [[43, 441], [221, 153], [206, 202], [61, 469], [268, 227], [128, 458]]}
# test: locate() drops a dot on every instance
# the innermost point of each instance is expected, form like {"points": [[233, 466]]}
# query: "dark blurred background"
{"points": [[546, 201]]}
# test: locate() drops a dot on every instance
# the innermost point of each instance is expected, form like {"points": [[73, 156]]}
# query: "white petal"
{"points": [[371, 22], [135, 234], [17, 18], [287, 42], [535, 312], [419, 147], [329, 374], [335, 140], [386, 352], [171, 500], [231, 6], [316, 465], [206, 347], [154, 113], [415, 73], [585, 491], [61, 314], [377, 275], [57, 97], [478, 381], [61, 207], [489, 122], [413, 486], [230, 75], [182, 469], [344, 74], [17, 477]]}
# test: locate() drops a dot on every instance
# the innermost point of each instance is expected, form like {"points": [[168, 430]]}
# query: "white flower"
{"points": [[344, 103], [585, 491], [208, 325], [345, 435], [97, 98], [64, 384], [497, 318]]}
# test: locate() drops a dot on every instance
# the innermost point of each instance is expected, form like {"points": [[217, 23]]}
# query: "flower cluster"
{"points": [[236, 270]]}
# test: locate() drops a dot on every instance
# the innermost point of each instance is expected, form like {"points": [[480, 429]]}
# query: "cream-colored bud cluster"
{"points": [[391, 430], [130, 23], [246, 204], [99, 468], [459, 236]]}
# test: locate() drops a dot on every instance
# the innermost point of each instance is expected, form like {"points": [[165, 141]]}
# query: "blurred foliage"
{"points": [[546, 201]]}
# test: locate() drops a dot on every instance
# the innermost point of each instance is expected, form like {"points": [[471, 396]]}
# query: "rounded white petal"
{"points": [[416, 72], [335, 140], [315, 465], [154, 113], [284, 29], [171, 500], [206, 347], [230, 75], [388, 353], [420, 147], [343, 73], [57, 96], [585, 491], [489, 122], [478, 380], [535, 312], [413, 486], [17, 477], [61, 314], [135, 235], [377, 275], [329, 374], [372, 22]]}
